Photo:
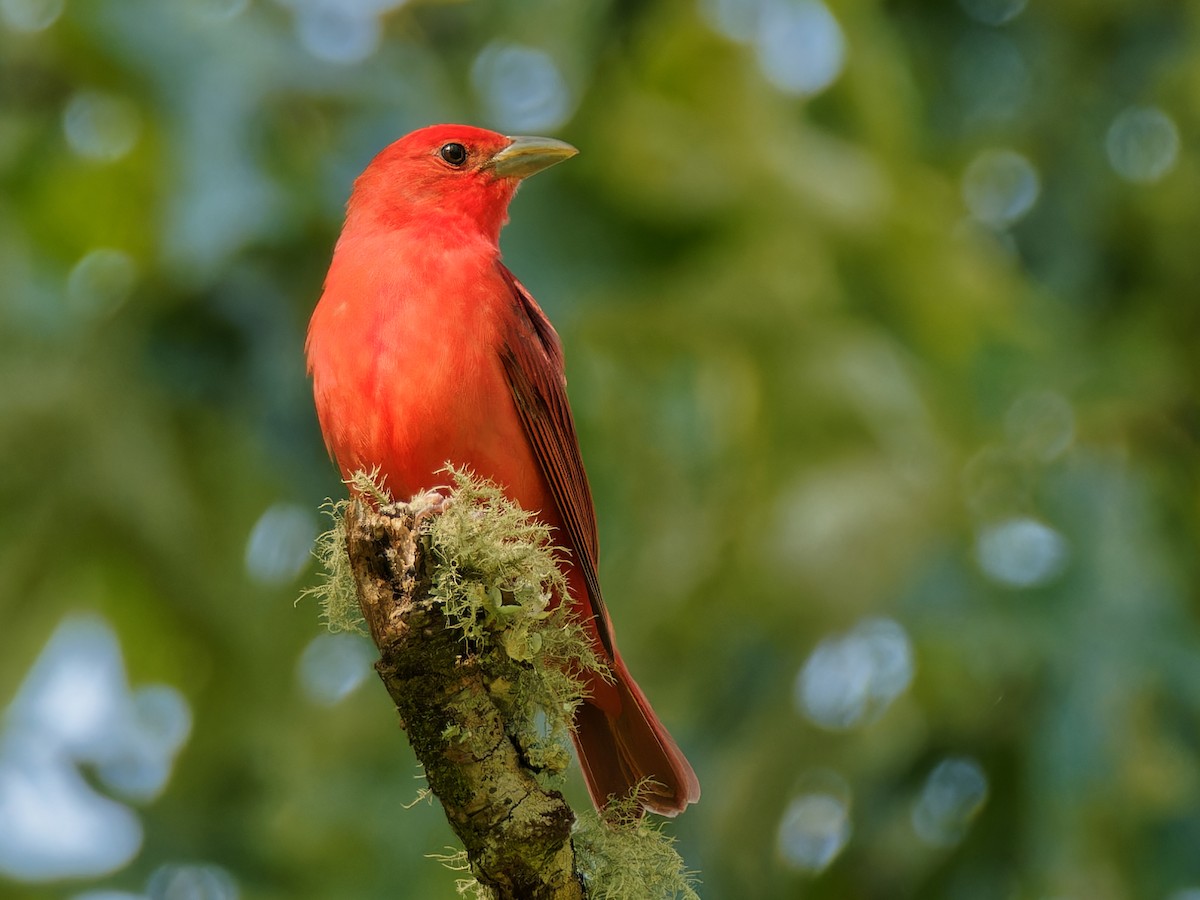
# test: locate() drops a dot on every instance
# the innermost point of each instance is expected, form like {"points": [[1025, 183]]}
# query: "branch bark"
{"points": [[517, 834]]}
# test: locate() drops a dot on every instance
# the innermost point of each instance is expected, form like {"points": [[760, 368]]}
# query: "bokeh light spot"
{"points": [[101, 126], [75, 707], [1040, 426], [30, 16], [993, 12], [953, 795], [163, 725], [337, 33], [521, 88], [74, 692], [164, 714], [801, 48], [191, 882], [1143, 144], [1021, 552], [854, 677], [280, 544], [99, 283], [333, 666], [52, 823], [1000, 187], [814, 829]]}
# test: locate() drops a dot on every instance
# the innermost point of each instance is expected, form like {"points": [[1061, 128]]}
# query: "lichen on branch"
{"points": [[496, 575], [458, 592], [626, 856]]}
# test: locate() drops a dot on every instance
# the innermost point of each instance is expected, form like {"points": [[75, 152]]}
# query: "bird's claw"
{"points": [[428, 504]]}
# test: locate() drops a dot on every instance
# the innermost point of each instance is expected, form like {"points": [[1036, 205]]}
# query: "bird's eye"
{"points": [[455, 154]]}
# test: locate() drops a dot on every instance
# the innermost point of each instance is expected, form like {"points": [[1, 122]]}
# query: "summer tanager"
{"points": [[425, 350]]}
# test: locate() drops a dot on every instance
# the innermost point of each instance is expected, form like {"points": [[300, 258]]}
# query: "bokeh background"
{"points": [[883, 341]]}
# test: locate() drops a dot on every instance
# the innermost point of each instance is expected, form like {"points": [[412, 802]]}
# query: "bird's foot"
{"points": [[428, 504]]}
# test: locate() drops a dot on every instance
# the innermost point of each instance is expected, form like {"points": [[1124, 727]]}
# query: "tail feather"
{"points": [[630, 752]]}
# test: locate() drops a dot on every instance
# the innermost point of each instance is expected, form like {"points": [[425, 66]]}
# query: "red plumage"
{"points": [[424, 349]]}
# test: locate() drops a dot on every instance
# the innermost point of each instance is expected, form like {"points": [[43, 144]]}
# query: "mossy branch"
{"points": [[486, 673]]}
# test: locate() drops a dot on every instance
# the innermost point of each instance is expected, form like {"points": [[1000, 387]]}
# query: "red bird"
{"points": [[424, 349]]}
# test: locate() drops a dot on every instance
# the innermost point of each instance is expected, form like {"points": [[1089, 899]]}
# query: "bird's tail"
{"points": [[630, 752]]}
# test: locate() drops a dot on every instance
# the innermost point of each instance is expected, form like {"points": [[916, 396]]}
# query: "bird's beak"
{"points": [[526, 155]]}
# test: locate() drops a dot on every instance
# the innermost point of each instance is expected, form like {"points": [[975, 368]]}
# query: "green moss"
{"points": [[497, 576], [335, 591], [623, 856]]}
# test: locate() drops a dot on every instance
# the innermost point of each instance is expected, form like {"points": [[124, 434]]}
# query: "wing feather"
{"points": [[534, 366]]}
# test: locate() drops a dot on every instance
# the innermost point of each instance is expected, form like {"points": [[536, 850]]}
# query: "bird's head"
{"points": [[451, 171]]}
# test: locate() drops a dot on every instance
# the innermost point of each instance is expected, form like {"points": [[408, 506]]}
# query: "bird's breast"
{"points": [[405, 353]]}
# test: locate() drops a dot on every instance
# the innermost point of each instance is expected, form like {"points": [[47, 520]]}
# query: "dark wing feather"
{"points": [[533, 364]]}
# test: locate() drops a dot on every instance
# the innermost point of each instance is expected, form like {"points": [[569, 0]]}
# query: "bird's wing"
{"points": [[533, 364]]}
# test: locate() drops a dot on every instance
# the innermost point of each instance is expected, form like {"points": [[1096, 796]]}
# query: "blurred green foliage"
{"points": [[912, 336]]}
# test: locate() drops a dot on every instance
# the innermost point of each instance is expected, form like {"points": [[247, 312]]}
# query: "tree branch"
{"points": [[517, 833]]}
